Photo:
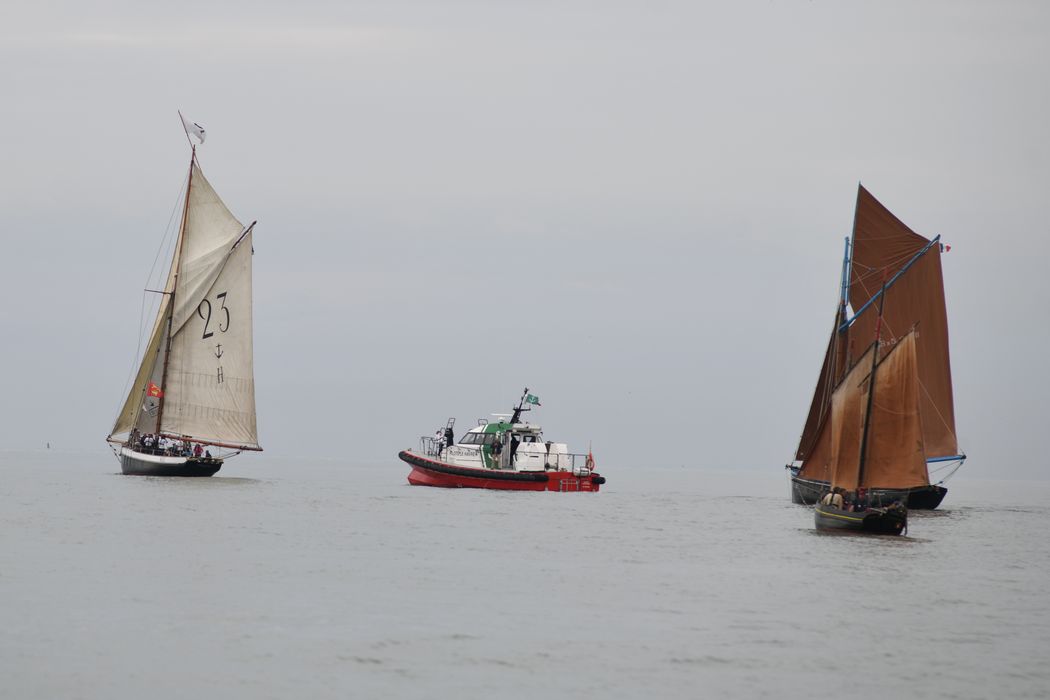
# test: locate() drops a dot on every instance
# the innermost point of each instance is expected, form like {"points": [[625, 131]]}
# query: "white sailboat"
{"points": [[192, 402]]}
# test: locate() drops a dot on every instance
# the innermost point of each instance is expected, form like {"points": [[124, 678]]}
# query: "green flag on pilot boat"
{"points": [[535, 400]]}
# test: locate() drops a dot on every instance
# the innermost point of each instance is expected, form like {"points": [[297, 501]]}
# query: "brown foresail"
{"points": [[821, 403], [895, 455], [846, 427], [896, 458]]}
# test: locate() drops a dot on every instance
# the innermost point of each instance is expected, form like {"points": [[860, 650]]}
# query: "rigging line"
{"points": [[133, 372], [891, 262], [947, 465], [895, 277], [895, 413], [164, 243], [872, 271], [887, 237], [938, 411], [142, 308], [884, 321], [167, 231], [951, 473]]}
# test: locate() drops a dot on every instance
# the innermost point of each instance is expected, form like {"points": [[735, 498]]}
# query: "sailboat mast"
{"points": [[174, 284], [840, 317], [844, 299], [871, 388]]}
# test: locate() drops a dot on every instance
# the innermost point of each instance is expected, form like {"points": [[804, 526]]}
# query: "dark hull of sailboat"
{"points": [[875, 521], [148, 465], [809, 491], [429, 472]]}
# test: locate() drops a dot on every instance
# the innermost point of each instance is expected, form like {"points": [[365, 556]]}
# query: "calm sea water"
{"points": [[320, 579]]}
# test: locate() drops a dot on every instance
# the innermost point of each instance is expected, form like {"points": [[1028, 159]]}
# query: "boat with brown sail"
{"points": [[876, 439], [192, 401], [882, 248]]}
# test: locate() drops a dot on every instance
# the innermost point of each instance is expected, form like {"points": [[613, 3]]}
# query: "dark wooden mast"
{"points": [[871, 388], [174, 284]]}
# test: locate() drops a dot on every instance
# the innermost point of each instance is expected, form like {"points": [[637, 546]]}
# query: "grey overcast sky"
{"points": [[634, 208]]}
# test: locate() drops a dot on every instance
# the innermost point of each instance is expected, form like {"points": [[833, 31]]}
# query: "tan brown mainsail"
{"points": [[884, 248], [914, 300]]}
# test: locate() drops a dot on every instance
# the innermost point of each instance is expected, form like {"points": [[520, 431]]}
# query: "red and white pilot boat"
{"points": [[504, 454]]}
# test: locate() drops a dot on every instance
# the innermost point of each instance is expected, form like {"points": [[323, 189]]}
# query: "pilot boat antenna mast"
{"points": [[521, 407]]}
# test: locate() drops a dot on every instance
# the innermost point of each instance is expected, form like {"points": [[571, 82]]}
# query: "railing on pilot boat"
{"points": [[431, 446]]}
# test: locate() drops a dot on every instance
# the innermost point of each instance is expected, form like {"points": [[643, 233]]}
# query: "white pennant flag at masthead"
{"points": [[192, 128]]}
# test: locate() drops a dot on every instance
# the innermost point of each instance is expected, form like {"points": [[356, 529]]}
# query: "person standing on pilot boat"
{"points": [[497, 450]]}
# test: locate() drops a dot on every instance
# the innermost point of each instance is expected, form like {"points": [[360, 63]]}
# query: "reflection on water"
{"points": [[193, 482]]}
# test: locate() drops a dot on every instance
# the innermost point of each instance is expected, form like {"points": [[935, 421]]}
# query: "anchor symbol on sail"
{"points": [[218, 350]]}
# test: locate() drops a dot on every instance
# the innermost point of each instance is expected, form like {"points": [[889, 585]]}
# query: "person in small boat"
{"points": [[862, 498], [833, 498], [197, 450], [439, 440], [450, 438]]}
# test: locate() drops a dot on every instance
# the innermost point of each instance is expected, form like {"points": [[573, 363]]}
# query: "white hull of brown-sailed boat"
{"points": [[892, 520], [146, 464]]}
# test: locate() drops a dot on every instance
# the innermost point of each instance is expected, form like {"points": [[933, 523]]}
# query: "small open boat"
{"points": [[874, 443], [504, 454], [891, 520]]}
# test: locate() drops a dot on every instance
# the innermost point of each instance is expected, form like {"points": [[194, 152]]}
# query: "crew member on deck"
{"points": [[497, 450]]}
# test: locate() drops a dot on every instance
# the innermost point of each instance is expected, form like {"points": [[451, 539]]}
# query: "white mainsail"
{"points": [[200, 351]]}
